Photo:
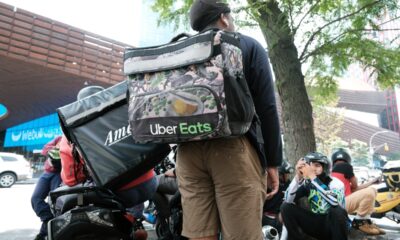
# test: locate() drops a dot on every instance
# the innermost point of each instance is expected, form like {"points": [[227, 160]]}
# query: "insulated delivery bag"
{"points": [[188, 90], [98, 126]]}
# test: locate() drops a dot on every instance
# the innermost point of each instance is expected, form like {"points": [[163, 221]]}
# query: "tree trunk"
{"points": [[296, 108]]}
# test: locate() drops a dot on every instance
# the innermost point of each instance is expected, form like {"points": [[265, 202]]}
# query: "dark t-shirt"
{"points": [[258, 74], [345, 169]]}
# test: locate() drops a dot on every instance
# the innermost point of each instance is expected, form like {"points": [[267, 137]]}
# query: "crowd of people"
{"points": [[225, 182]]}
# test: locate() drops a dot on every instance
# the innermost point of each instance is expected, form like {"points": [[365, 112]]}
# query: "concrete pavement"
{"points": [[19, 222]]}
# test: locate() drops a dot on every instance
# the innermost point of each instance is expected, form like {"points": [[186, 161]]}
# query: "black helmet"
{"points": [[87, 91], [341, 154], [321, 158]]}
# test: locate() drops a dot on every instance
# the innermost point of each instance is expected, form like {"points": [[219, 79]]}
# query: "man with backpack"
{"points": [[360, 199], [222, 181]]}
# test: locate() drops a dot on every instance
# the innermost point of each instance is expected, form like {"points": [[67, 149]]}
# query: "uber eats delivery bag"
{"points": [[188, 90], [98, 125]]}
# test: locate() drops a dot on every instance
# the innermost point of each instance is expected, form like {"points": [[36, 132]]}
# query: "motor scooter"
{"points": [[387, 202], [88, 212]]}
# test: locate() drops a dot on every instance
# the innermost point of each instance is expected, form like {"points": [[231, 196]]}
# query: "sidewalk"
{"points": [[28, 181]]}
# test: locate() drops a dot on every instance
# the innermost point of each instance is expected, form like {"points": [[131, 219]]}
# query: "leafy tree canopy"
{"points": [[311, 43], [329, 35]]}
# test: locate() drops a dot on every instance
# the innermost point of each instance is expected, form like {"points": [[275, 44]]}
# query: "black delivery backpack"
{"points": [[98, 126], [190, 90]]}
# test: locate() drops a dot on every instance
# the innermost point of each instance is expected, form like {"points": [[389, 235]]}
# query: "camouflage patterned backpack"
{"points": [[188, 90]]}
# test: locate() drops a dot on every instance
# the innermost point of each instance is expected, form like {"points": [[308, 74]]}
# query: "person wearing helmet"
{"points": [[360, 199], [314, 202], [48, 181]]}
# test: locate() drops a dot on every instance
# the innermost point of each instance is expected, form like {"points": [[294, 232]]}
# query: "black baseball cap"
{"points": [[204, 12]]}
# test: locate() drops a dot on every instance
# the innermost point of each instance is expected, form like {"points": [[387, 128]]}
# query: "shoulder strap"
{"points": [[179, 36], [77, 159]]}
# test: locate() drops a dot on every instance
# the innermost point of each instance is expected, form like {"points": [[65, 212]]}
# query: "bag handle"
{"points": [[179, 36]]}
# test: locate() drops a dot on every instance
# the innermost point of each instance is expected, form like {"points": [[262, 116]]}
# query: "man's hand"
{"points": [[272, 181], [308, 172], [299, 165]]}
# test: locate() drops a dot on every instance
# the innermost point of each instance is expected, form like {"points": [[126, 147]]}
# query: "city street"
{"points": [[19, 222], [17, 219]]}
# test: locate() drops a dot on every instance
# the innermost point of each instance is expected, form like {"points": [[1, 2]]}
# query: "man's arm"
{"points": [[272, 181], [356, 187], [290, 193], [259, 77]]}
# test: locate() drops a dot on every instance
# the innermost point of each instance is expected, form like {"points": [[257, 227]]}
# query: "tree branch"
{"points": [[305, 15], [395, 18], [263, 16], [379, 30], [291, 14], [315, 51], [395, 39], [311, 39]]}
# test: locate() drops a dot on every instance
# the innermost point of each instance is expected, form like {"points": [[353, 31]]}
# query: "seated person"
{"points": [[131, 194], [48, 181], [73, 172], [360, 199], [167, 187], [323, 216]]}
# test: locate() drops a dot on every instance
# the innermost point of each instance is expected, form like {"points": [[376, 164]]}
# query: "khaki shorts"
{"points": [[223, 189], [361, 202]]}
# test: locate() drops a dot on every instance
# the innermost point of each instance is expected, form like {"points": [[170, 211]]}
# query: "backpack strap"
{"points": [[79, 164], [179, 36], [257, 122]]}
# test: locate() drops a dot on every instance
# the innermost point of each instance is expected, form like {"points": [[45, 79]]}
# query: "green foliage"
{"points": [[358, 150], [322, 89], [328, 123], [359, 153], [332, 145], [331, 34], [175, 12], [345, 35]]}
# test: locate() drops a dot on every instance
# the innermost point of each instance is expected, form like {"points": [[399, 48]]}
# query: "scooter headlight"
{"points": [[60, 222], [101, 217]]}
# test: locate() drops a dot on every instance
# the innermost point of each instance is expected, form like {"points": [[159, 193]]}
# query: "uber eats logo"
{"points": [[181, 128]]}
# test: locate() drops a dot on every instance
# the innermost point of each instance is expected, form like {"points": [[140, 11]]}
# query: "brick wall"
{"points": [[36, 39]]}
